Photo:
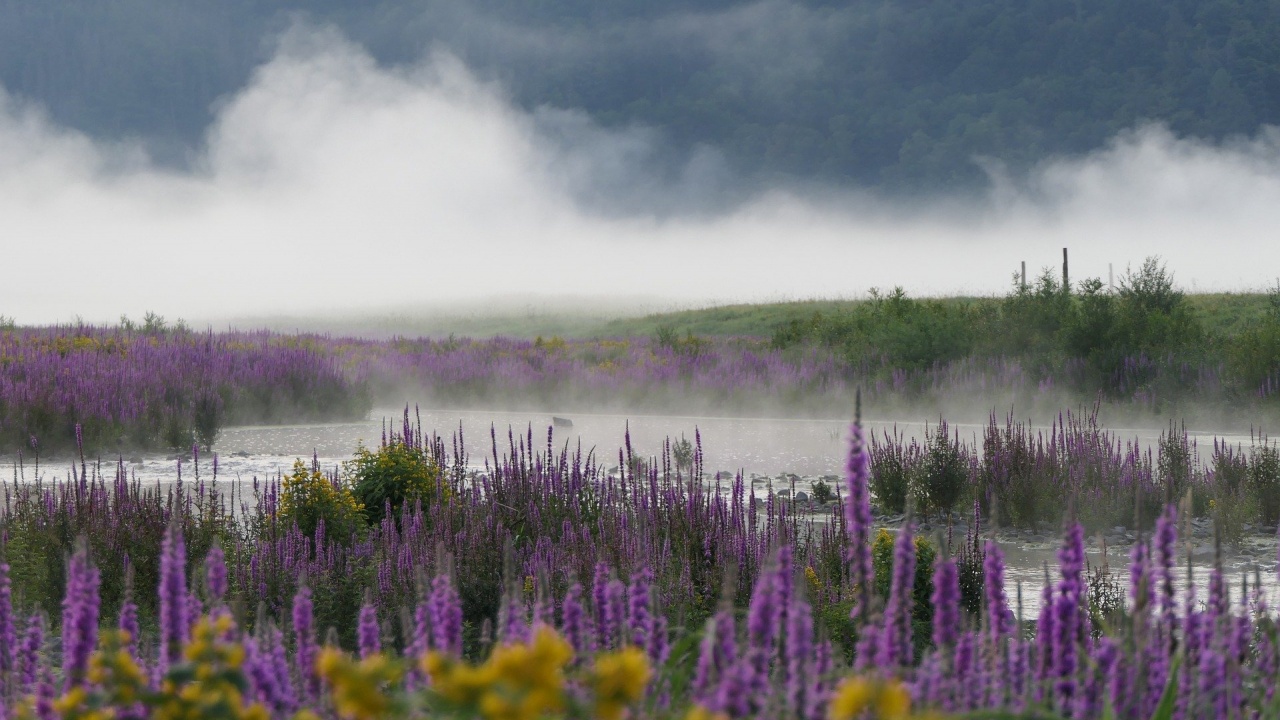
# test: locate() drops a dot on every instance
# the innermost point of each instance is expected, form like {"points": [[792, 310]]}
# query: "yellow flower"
{"points": [[698, 712], [518, 682], [358, 688], [619, 679], [893, 702], [854, 696], [812, 577]]}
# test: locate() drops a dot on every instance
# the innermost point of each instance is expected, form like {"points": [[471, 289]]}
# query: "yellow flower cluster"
{"points": [[518, 682], [699, 712], [618, 680], [528, 681], [359, 688], [859, 697], [307, 496], [208, 685], [811, 576]]}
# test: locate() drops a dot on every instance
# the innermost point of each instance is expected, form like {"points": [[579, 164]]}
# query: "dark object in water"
{"points": [[561, 422]]}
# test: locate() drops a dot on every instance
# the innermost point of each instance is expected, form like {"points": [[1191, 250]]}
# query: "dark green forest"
{"points": [[895, 95]]}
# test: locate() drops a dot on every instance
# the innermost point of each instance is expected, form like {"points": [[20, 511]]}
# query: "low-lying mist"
{"points": [[331, 183]]}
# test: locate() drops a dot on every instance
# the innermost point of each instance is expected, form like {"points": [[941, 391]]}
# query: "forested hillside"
{"points": [[892, 94]]}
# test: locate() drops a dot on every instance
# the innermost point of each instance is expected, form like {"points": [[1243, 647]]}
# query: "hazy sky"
{"points": [[331, 183]]}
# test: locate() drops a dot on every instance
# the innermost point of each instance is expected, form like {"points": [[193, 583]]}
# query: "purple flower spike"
{"points": [[29, 654], [446, 616], [8, 627], [129, 623], [895, 641], [304, 639], [80, 610], [858, 521], [368, 632], [639, 615], [216, 574], [573, 621], [999, 617], [946, 603], [174, 630], [799, 655]]}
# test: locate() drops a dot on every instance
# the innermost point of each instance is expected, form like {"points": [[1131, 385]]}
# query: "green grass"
{"points": [[1221, 313]]}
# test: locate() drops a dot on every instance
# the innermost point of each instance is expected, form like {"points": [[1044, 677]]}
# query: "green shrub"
{"points": [[1230, 512], [1264, 481], [308, 497], [394, 473], [893, 465], [822, 492], [882, 560], [943, 476]]}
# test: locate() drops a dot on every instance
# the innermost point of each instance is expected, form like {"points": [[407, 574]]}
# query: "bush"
{"points": [[1175, 467], [682, 453], [308, 497], [893, 464], [1230, 512], [882, 560], [822, 492], [944, 472], [394, 473], [1264, 481]]}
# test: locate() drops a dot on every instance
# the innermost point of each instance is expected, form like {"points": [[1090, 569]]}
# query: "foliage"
{"points": [[922, 591], [1264, 481], [894, 467], [309, 497], [943, 474], [1106, 598], [210, 682], [822, 492], [396, 473], [682, 452]]}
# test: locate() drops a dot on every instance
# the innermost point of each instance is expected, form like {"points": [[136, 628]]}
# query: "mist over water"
{"points": [[330, 182]]}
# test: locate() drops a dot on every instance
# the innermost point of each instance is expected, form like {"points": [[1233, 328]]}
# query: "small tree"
{"points": [[944, 472], [395, 473], [309, 496]]}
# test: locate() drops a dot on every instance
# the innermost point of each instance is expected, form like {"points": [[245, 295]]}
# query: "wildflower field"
{"points": [[548, 586]]}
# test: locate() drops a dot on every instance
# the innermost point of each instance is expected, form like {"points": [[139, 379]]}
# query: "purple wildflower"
{"points": [[573, 621], [639, 614], [173, 596], [304, 640], [446, 616], [80, 609], [216, 574], [799, 652], [895, 641], [29, 654], [999, 617], [858, 521], [946, 603], [8, 626], [368, 633]]}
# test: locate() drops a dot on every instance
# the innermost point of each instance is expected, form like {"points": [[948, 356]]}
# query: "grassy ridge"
{"points": [[1224, 313]]}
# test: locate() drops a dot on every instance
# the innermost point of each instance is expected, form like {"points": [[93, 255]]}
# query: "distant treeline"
{"points": [[877, 93], [1143, 336]]}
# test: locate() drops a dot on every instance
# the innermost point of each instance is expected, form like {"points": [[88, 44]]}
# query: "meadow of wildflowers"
{"points": [[119, 388], [130, 389], [546, 585]]}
